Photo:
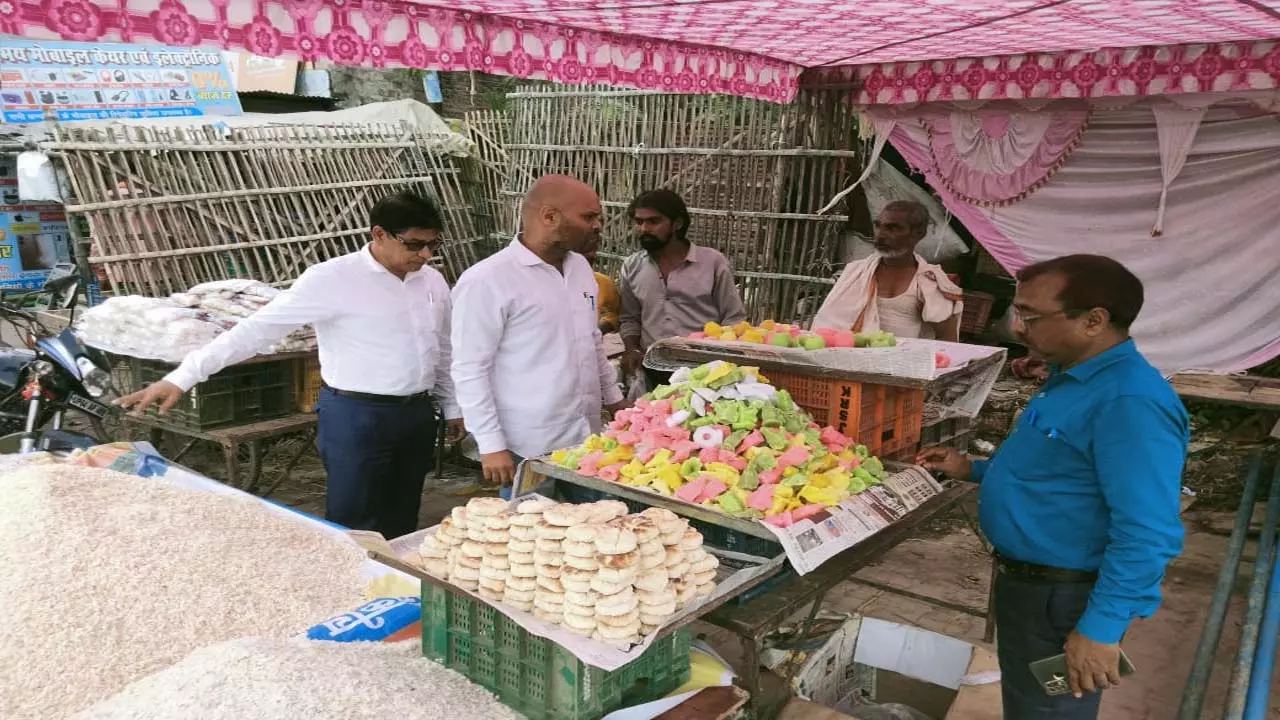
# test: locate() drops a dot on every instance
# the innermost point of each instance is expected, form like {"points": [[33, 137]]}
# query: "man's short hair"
{"points": [[405, 211], [1093, 281], [664, 202], [917, 214]]}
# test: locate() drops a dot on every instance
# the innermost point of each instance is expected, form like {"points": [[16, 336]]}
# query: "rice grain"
{"points": [[268, 679], [106, 578]]}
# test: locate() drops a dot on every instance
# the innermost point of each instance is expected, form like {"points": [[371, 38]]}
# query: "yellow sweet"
{"points": [[718, 372], [632, 469], [742, 327], [660, 459], [723, 473], [753, 336], [712, 329], [728, 335], [766, 325]]}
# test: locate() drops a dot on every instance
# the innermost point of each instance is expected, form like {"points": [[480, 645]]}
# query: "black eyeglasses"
{"points": [[417, 246]]}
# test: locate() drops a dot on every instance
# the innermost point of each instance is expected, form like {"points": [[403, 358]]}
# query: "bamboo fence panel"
{"points": [[753, 175], [170, 207], [486, 172]]}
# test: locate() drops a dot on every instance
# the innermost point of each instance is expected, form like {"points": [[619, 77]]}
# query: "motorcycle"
{"points": [[55, 373]]}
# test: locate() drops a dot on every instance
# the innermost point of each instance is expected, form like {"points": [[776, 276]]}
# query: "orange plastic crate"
{"points": [[886, 419], [308, 383]]}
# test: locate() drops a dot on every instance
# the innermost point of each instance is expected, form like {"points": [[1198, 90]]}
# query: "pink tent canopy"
{"points": [[905, 50]]}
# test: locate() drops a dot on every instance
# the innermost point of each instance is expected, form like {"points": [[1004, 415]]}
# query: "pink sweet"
{"points": [[662, 407], [842, 338], [807, 511], [830, 436], [692, 490], [709, 455], [610, 473], [850, 464], [627, 437], [681, 450], [826, 332], [589, 462], [646, 454], [753, 439], [761, 498], [770, 477], [698, 336], [734, 462], [711, 488], [783, 520], [618, 423], [794, 456], [796, 332]]}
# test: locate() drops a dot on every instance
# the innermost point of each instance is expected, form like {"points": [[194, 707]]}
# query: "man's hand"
{"points": [[165, 394], [620, 405], [631, 361], [454, 430], [499, 468], [1091, 666], [947, 460]]}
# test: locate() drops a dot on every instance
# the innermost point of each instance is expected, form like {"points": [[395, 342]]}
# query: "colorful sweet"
{"points": [[721, 436], [792, 336]]}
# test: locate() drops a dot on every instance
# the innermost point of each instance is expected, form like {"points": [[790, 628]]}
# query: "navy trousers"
{"points": [[376, 457], [1032, 623]]}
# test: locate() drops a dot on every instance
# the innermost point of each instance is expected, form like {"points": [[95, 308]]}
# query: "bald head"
{"points": [[561, 214]]}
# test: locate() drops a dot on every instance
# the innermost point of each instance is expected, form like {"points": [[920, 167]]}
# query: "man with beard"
{"points": [[1081, 502], [381, 317], [671, 287], [894, 289], [528, 363]]}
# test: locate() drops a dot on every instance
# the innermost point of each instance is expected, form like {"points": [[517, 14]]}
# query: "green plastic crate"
{"points": [[534, 675], [238, 394]]}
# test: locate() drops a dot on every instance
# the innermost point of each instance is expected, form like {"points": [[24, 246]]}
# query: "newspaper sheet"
{"points": [[815, 540], [736, 569]]}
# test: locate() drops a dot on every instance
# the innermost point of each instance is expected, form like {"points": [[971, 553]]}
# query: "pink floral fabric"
{"points": [[893, 51], [998, 155]]}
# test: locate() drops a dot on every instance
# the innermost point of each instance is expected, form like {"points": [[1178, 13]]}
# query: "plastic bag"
{"points": [[635, 386]]}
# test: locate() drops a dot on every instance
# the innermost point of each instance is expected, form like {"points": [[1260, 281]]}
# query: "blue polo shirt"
{"points": [[1091, 479]]}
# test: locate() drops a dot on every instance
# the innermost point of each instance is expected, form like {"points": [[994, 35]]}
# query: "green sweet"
{"points": [[703, 421], [725, 411], [774, 438], [763, 461], [735, 438], [796, 481], [690, 468], [664, 391], [784, 401], [749, 479], [861, 451], [730, 503]]}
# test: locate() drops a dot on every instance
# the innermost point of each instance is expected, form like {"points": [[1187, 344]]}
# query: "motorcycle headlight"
{"points": [[42, 368], [95, 379]]}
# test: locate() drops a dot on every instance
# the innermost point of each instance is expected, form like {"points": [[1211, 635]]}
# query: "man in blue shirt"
{"points": [[1081, 502]]}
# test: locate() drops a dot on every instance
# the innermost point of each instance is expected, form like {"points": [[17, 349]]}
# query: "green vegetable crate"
{"points": [[534, 675], [239, 394]]}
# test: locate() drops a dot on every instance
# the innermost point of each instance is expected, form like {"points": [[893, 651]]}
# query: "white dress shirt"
{"points": [[528, 360], [377, 334]]}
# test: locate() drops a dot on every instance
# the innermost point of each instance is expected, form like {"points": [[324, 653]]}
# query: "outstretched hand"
{"points": [[163, 394], [950, 461]]}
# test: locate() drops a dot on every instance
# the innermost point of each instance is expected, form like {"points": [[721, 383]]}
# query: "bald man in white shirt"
{"points": [[528, 360], [381, 317]]}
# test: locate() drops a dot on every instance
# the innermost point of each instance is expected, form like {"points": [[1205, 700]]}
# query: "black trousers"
{"points": [[1032, 623], [376, 457]]}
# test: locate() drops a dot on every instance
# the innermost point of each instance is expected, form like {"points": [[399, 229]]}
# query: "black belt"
{"points": [[381, 399], [1030, 572]]}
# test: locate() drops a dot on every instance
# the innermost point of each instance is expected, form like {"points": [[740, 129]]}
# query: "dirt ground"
{"points": [[947, 561]]}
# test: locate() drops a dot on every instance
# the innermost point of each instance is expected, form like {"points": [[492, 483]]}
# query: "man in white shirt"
{"points": [[381, 317], [528, 362]]}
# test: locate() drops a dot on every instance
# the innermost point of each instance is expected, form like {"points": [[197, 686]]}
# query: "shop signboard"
{"points": [[67, 81]]}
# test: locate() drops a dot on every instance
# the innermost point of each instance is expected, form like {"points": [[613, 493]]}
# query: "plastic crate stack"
{"points": [[885, 418], [239, 394], [534, 675]]}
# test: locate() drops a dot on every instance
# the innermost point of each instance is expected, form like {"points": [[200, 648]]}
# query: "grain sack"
{"points": [[107, 578], [266, 679]]}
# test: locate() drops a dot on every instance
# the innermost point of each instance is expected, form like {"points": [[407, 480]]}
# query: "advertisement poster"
{"points": [[33, 237], [67, 81]]}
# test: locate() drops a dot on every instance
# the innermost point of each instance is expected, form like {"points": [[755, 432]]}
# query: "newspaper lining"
{"points": [[813, 541]]}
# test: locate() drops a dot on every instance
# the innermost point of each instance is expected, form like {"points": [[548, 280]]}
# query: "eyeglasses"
{"points": [[417, 246], [1026, 320]]}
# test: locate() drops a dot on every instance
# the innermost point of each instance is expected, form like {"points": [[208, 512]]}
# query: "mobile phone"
{"points": [[1051, 673]]}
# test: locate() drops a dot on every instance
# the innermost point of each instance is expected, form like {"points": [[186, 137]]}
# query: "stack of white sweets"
{"points": [[592, 569]]}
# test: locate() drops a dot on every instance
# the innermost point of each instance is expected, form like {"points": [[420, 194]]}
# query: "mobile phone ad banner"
{"points": [[66, 81]]}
